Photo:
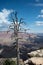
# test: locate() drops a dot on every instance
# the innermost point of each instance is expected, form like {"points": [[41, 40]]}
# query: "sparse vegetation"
{"points": [[37, 55], [8, 62]]}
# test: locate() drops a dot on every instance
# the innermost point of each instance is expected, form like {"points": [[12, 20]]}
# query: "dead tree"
{"points": [[15, 27]]}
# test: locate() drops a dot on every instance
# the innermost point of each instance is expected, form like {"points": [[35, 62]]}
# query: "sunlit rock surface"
{"points": [[36, 53]]}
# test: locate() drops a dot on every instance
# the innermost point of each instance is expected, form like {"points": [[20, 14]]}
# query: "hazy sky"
{"points": [[30, 10]]}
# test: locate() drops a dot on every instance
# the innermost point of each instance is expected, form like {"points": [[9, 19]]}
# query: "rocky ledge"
{"points": [[36, 58]]}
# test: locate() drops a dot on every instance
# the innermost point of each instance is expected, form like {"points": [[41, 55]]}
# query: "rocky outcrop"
{"points": [[37, 53], [36, 57], [34, 61], [37, 60], [28, 62]]}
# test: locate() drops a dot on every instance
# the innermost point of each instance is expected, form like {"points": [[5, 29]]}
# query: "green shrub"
{"points": [[8, 62], [37, 55], [12, 63]]}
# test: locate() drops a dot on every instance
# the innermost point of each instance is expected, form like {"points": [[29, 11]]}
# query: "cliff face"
{"points": [[6, 38], [27, 43]]}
